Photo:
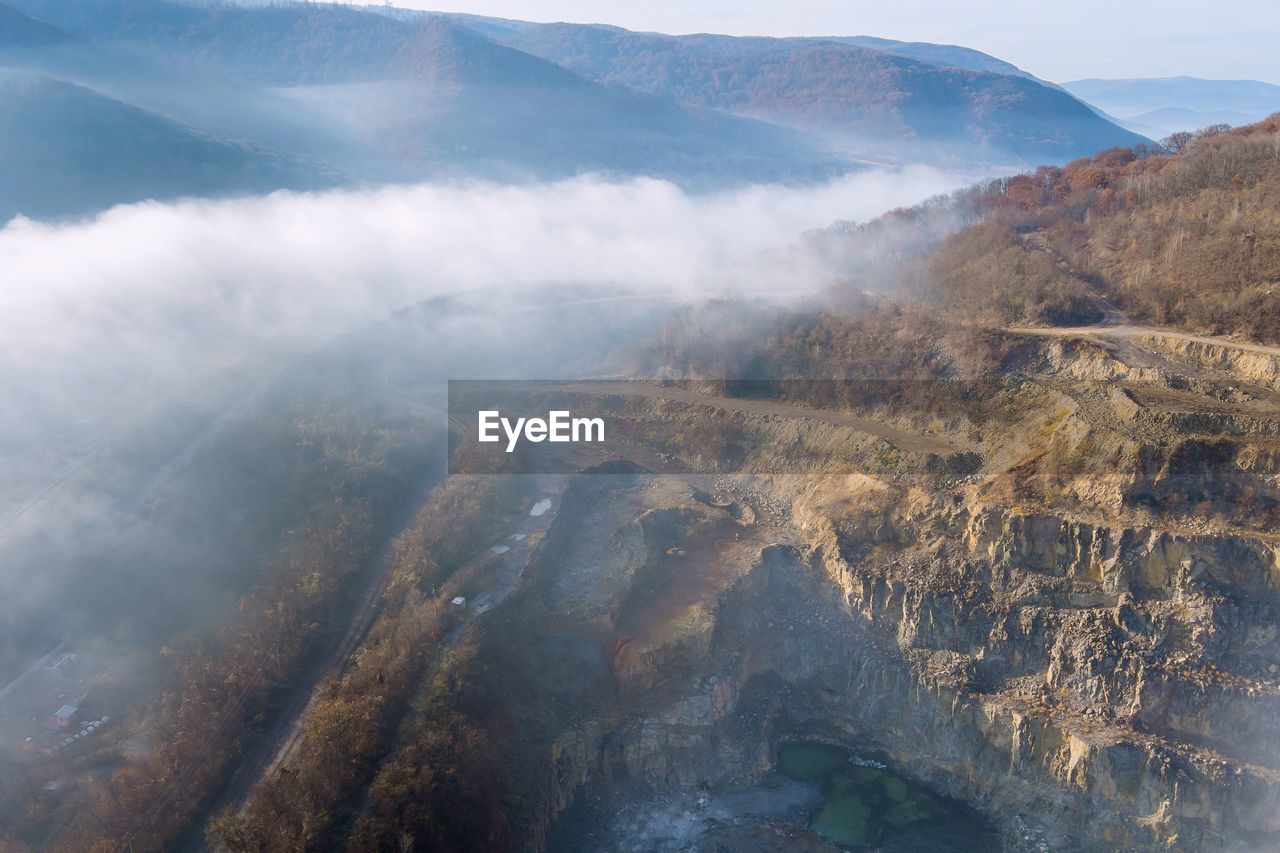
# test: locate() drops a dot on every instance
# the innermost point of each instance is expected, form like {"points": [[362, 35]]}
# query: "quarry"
{"points": [[1026, 640]]}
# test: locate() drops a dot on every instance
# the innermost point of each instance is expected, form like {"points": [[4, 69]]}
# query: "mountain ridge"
{"points": [[390, 95], [82, 151], [826, 85]]}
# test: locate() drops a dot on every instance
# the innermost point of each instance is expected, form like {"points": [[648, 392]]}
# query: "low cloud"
{"points": [[301, 267], [151, 299]]}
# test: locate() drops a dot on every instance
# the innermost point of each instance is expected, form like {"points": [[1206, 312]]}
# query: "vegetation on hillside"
{"points": [[882, 102], [360, 713], [353, 476], [1186, 234], [398, 747], [401, 749]]}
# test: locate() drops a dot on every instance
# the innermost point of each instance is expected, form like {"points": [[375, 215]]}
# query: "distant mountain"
{"points": [[877, 102], [427, 96], [1159, 106], [178, 90], [464, 103], [873, 94], [312, 94], [67, 150], [280, 44], [941, 55]]}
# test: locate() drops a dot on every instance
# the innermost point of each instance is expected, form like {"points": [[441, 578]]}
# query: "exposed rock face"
{"points": [[1087, 673], [1251, 363], [1073, 652]]}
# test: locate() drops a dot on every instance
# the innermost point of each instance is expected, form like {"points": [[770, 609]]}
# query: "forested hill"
{"points": [[383, 94], [65, 148], [877, 96], [1184, 235], [313, 97]]}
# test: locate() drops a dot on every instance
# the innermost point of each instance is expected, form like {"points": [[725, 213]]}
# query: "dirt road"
{"points": [[1128, 330]]}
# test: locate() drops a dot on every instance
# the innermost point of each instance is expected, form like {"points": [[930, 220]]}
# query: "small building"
{"points": [[460, 601], [66, 715]]}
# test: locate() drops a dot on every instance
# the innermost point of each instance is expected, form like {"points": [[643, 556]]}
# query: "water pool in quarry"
{"points": [[865, 805], [819, 799]]}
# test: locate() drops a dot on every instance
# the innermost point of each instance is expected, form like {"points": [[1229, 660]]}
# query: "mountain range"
{"points": [[940, 103], [218, 99], [1159, 106]]}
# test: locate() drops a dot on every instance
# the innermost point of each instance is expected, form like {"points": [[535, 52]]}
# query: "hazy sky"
{"points": [[1058, 40]]}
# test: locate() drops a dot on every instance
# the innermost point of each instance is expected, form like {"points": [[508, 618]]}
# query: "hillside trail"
{"points": [[1114, 324], [1130, 330]]}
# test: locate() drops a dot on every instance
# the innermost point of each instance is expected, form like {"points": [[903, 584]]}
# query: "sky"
{"points": [[1058, 40]]}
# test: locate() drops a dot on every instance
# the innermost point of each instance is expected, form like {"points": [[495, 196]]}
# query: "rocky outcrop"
{"points": [[1258, 364], [1080, 637], [1040, 669], [1081, 653]]}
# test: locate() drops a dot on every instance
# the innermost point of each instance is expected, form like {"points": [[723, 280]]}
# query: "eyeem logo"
{"points": [[558, 426]]}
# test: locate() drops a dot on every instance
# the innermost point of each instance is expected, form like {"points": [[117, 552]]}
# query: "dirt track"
{"points": [[1132, 331]]}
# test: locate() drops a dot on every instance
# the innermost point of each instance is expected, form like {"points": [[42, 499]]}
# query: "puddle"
{"points": [[540, 508]]}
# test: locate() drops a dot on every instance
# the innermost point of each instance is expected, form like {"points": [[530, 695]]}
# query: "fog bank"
{"points": [[156, 291]]}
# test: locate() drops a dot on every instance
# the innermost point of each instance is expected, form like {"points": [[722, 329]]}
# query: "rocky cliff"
{"points": [[1088, 668]]}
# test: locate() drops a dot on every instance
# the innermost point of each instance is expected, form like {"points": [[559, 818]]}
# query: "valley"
{"points": [[439, 431], [1027, 634]]}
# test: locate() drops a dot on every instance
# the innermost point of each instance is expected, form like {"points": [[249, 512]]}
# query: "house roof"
{"points": [[67, 711]]}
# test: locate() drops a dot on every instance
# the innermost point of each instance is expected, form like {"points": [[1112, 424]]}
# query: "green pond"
{"points": [[871, 806]]}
